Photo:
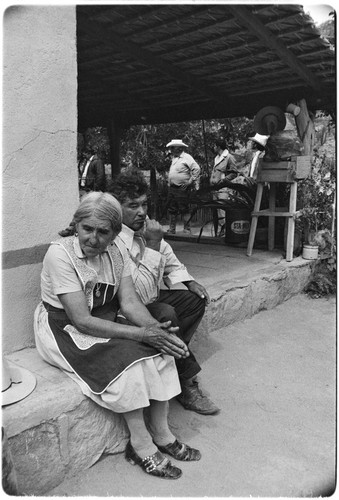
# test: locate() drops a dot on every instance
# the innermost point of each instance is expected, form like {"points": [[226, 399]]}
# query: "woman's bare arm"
{"points": [[145, 328]]}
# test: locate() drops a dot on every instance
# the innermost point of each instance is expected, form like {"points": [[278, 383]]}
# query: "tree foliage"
{"points": [[145, 145], [94, 139]]}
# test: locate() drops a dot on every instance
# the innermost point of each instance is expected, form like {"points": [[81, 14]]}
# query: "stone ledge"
{"points": [[56, 431], [246, 295]]}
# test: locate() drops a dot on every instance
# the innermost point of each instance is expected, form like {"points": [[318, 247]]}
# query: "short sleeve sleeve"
{"points": [[59, 273]]}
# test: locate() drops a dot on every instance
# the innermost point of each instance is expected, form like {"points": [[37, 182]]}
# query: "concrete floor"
{"points": [[273, 376]]}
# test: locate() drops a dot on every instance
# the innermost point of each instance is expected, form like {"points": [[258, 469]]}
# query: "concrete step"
{"points": [[56, 431]]}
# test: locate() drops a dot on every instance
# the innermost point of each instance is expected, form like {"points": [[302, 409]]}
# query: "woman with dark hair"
{"points": [[123, 367]]}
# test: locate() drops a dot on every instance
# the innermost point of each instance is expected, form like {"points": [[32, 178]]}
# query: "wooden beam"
{"points": [[239, 33], [139, 54], [245, 17]]}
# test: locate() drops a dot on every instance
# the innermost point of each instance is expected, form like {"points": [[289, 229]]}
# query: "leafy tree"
{"points": [[94, 139], [327, 29]]}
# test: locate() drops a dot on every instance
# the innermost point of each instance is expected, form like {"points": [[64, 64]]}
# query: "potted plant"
{"points": [[308, 217], [317, 197]]}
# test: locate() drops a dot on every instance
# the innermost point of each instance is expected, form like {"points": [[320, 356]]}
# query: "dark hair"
{"points": [[103, 206], [221, 143], [258, 146], [130, 183]]}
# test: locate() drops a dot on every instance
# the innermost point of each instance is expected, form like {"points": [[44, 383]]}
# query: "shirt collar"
{"points": [[77, 249], [175, 158], [127, 236], [224, 153], [221, 156]]}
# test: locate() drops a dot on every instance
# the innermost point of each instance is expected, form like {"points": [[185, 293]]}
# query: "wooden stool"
{"points": [[276, 172]]}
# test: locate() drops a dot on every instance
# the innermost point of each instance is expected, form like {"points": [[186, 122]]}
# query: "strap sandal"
{"points": [[181, 451], [155, 465]]}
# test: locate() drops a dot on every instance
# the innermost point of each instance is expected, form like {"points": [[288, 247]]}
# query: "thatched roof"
{"points": [[165, 63]]}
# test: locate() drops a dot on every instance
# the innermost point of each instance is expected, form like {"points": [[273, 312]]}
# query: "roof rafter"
{"points": [[149, 59], [246, 18]]}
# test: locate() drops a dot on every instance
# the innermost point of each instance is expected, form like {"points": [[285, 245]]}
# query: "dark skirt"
{"points": [[100, 364]]}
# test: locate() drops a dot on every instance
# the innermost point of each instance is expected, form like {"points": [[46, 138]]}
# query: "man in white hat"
{"points": [[259, 145], [183, 179]]}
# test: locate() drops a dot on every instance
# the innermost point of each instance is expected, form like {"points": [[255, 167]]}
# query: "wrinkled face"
{"points": [[134, 211], [94, 235]]}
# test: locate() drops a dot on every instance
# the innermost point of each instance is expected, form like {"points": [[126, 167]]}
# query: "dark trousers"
{"points": [[185, 309], [178, 201]]}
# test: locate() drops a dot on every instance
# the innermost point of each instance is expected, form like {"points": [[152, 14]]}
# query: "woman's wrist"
{"points": [[141, 334]]}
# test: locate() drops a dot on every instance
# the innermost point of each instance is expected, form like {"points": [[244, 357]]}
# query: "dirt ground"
{"points": [[273, 377]]}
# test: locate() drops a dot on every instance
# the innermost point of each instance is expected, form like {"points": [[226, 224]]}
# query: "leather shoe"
{"points": [[180, 451], [193, 399], [155, 465]]}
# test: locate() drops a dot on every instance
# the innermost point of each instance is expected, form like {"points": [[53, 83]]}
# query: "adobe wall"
{"points": [[39, 171]]}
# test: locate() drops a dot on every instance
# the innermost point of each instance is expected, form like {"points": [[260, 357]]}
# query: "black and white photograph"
{"points": [[169, 229]]}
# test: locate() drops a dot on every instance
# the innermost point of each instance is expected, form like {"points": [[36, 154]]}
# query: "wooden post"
{"points": [[305, 128], [153, 188], [271, 220], [205, 147], [114, 133], [254, 221], [291, 222]]}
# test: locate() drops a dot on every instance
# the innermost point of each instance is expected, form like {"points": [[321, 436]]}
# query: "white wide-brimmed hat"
{"points": [[17, 382], [176, 142], [260, 139]]}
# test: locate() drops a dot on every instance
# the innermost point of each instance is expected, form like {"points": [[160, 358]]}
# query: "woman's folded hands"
{"points": [[163, 337]]}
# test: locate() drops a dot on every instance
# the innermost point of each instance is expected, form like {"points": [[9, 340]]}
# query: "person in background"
{"points": [[123, 367], [92, 175], [259, 144], [225, 167], [155, 268], [183, 180]]}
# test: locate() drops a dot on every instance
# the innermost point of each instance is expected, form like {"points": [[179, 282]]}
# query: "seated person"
{"points": [[152, 262], [85, 279]]}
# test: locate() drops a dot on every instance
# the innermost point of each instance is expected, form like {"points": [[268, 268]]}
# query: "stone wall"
{"points": [[40, 191]]}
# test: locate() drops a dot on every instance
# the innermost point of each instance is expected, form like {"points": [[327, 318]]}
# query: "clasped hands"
{"points": [[163, 337]]}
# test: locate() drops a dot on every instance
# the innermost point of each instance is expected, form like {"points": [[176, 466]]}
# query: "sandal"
{"points": [[155, 465], [181, 451]]}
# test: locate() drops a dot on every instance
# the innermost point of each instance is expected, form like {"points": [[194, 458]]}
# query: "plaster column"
{"points": [[40, 191]]}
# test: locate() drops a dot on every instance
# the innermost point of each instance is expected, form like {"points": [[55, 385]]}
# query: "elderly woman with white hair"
{"points": [[124, 366]]}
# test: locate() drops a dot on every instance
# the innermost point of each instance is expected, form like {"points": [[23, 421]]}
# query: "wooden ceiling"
{"points": [[164, 63]]}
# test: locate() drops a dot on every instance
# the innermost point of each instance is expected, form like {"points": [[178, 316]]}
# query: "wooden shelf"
{"points": [[278, 212]]}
